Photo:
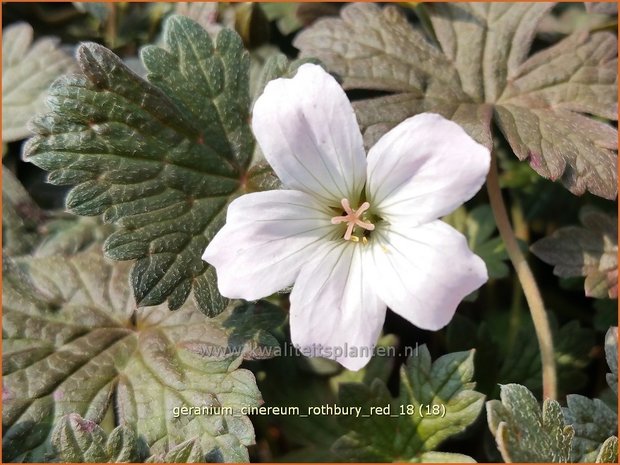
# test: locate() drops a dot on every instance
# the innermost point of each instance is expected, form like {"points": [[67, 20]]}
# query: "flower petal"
{"points": [[423, 169], [335, 313], [267, 237], [308, 133], [422, 273]]}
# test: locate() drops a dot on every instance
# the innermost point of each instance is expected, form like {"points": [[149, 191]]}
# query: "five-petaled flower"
{"points": [[355, 234]]}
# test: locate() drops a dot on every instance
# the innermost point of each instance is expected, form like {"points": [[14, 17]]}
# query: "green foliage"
{"points": [[77, 440], [590, 251], [65, 234], [77, 315], [593, 421], [189, 451], [161, 159], [572, 355], [96, 367], [525, 434], [474, 68], [411, 435], [284, 14], [478, 225], [608, 453], [27, 71], [516, 360], [26, 228], [21, 217]]}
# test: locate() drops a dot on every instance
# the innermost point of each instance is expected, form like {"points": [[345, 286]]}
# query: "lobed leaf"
{"points": [[67, 234], [408, 436], [189, 451], [21, 217], [474, 68], [76, 314], [77, 440], [159, 158], [573, 344], [27, 71], [590, 251], [608, 452], [525, 434], [593, 421]]}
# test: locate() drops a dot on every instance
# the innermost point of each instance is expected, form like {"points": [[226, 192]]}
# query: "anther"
{"points": [[353, 219]]}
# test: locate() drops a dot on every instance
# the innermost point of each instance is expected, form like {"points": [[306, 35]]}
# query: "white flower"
{"points": [[355, 234]]}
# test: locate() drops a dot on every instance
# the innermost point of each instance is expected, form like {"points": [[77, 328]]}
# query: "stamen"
{"points": [[353, 219]]}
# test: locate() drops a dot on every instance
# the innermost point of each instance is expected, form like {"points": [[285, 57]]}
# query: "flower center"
{"points": [[353, 218]]}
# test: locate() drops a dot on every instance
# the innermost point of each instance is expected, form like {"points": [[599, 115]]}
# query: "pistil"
{"points": [[353, 218]]}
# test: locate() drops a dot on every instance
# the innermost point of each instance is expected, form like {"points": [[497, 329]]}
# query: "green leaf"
{"points": [[590, 251], [21, 217], [611, 354], [189, 451], [28, 229], [525, 434], [593, 421], [27, 71], [474, 70], [66, 234], [573, 344], [608, 452], [76, 314], [394, 434], [301, 389], [284, 14], [479, 228], [77, 440], [380, 365], [160, 159]]}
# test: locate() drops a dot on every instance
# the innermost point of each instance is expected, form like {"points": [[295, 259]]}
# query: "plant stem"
{"points": [[111, 25], [522, 233], [528, 283]]}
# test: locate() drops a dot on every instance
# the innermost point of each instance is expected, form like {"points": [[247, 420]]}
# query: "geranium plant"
{"points": [[309, 232]]}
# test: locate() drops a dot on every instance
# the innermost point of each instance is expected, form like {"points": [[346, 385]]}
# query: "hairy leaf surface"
{"points": [[525, 434], [412, 436], [590, 250], [593, 421], [77, 440], [27, 71], [74, 342], [161, 159], [473, 68]]}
